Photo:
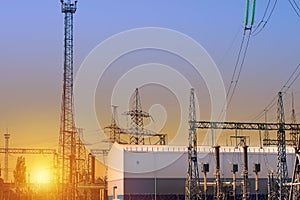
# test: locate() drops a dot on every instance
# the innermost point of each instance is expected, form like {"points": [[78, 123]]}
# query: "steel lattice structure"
{"points": [[8, 151], [67, 137], [27, 151], [294, 134], [6, 136], [280, 127], [81, 158], [115, 132], [295, 189], [282, 171], [137, 120], [246, 126], [114, 129], [192, 185]]}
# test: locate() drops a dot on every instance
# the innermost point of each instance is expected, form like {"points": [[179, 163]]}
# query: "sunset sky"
{"points": [[31, 61]]}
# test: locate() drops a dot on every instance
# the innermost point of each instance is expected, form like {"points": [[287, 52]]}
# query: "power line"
{"points": [[239, 65], [236, 65], [295, 7], [240, 70], [295, 78], [291, 80], [237, 70], [264, 22]]}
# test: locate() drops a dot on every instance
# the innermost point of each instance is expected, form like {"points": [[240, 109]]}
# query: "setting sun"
{"points": [[42, 176]]}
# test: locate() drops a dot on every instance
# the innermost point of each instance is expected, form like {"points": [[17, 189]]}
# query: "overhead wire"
{"points": [[293, 81], [236, 65], [295, 7], [267, 108], [240, 70], [287, 85], [239, 64], [264, 22], [264, 15], [255, 32]]}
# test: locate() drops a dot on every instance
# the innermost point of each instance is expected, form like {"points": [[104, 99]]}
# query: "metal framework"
{"points": [[282, 171], [67, 138], [246, 126], [280, 127], [295, 189], [192, 185], [294, 134], [27, 151], [137, 120], [114, 129], [7, 151], [81, 158], [115, 132], [6, 137]]}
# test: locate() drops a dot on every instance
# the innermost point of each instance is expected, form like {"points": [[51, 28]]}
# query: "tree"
{"points": [[20, 171]]}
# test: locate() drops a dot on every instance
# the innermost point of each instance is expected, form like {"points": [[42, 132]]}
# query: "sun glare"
{"points": [[42, 176]]}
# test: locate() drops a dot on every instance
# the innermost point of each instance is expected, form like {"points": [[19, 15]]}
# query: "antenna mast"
{"points": [[67, 140]]}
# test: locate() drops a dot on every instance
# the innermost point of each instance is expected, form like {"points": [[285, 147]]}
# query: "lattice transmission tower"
{"points": [[114, 130], [294, 134], [192, 185], [137, 115], [295, 187], [282, 171]]}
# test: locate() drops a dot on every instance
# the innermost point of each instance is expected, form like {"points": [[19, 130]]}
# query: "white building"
{"points": [[141, 172]]}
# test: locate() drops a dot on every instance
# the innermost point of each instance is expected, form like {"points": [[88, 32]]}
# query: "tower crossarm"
{"points": [[28, 151], [246, 126], [99, 151], [133, 113]]}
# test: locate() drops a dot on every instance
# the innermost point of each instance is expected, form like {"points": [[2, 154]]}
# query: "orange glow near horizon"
{"points": [[42, 176], [40, 171]]}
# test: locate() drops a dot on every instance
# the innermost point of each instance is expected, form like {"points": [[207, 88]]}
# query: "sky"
{"points": [[31, 58]]}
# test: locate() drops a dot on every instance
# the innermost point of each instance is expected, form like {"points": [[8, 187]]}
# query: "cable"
{"points": [[291, 76], [235, 78], [283, 89], [236, 65], [221, 60], [262, 20], [240, 70], [295, 7], [293, 81], [267, 108], [256, 30], [239, 65]]}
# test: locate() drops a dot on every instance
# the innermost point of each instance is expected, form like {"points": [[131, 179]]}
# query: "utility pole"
{"points": [[282, 171], [192, 185], [67, 140], [6, 137]]}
